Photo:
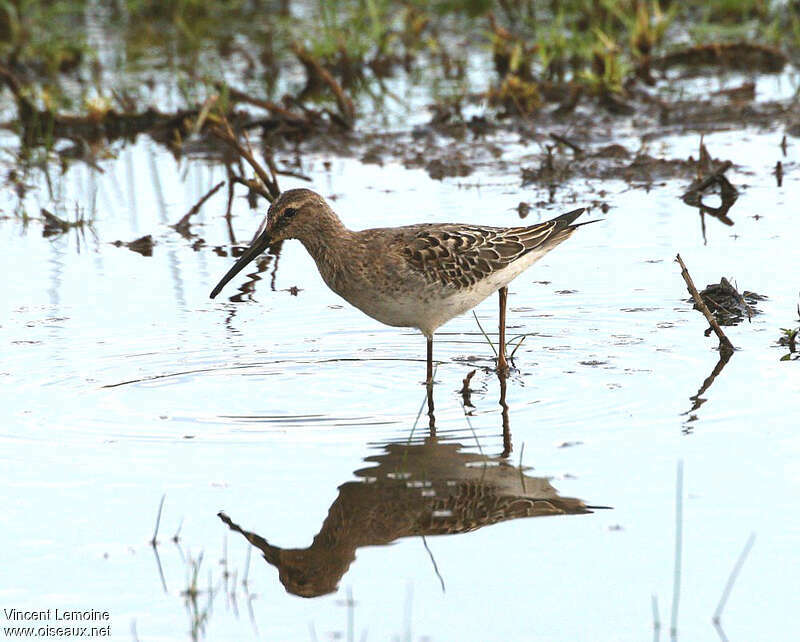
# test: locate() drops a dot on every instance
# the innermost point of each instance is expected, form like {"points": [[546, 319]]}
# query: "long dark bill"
{"points": [[259, 244]]}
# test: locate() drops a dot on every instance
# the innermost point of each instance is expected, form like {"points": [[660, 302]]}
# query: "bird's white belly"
{"points": [[432, 306]]}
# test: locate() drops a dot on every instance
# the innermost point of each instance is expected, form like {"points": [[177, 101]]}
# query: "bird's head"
{"points": [[292, 215]]}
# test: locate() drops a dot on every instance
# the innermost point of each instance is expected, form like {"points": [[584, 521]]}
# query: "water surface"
{"points": [[124, 382]]}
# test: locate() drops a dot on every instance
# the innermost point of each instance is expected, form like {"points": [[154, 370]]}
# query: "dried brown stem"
{"points": [[252, 184], [724, 343], [226, 135]]}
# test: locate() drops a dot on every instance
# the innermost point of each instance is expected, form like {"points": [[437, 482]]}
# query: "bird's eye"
{"points": [[289, 212]]}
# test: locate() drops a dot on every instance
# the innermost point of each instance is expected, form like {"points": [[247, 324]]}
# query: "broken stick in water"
{"points": [[724, 343]]}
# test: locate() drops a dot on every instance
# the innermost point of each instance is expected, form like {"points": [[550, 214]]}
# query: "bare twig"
{"points": [[516, 347], [485, 336], [724, 342], [154, 541], [720, 307], [205, 110], [226, 135], [252, 184]]}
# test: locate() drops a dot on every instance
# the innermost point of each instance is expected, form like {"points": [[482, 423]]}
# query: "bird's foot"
{"points": [[502, 365]]}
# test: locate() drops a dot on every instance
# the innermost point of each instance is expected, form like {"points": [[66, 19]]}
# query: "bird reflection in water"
{"points": [[428, 487]]}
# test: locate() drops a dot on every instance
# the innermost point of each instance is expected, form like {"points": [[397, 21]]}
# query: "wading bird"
{"points": [[418, 276]]}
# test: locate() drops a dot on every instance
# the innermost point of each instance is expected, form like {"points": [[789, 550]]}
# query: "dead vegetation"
{"points": [[725, 346]]}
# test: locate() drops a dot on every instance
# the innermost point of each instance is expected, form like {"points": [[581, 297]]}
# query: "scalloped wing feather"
{"points": [[459, 256]]}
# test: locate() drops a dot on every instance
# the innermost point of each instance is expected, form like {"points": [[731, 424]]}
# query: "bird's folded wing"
{"points": [[458, 256]]}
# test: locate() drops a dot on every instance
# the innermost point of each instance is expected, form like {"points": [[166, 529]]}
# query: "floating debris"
{"points": [[443, 168], [725, 345], [52, 224], [143, 245], [789, 340], [728, 306]]}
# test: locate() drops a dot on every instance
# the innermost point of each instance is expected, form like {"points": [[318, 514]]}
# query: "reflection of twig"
{"points": [[154, 543], [160, 569], [177, 536], [697, 401], [246, 568], [465, 389], [728, 193], [472, 428], [724, 342], [720, 632], [182, 226], [707, 181], [433, 561], [504, 414], [656, 618], [521, 471], [732, 578], [429, 401]]}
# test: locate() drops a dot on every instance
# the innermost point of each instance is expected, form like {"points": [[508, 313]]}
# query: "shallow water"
{"points": [[124, 382]]}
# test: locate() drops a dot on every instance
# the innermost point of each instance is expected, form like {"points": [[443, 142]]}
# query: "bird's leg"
{"points": [[429, 378], [502, 364]]}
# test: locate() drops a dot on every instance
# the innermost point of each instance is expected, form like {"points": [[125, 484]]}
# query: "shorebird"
{"points": [[418, 276]]}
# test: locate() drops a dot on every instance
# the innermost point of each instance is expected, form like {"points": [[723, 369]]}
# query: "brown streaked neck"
{"points": [[324, 239]]}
